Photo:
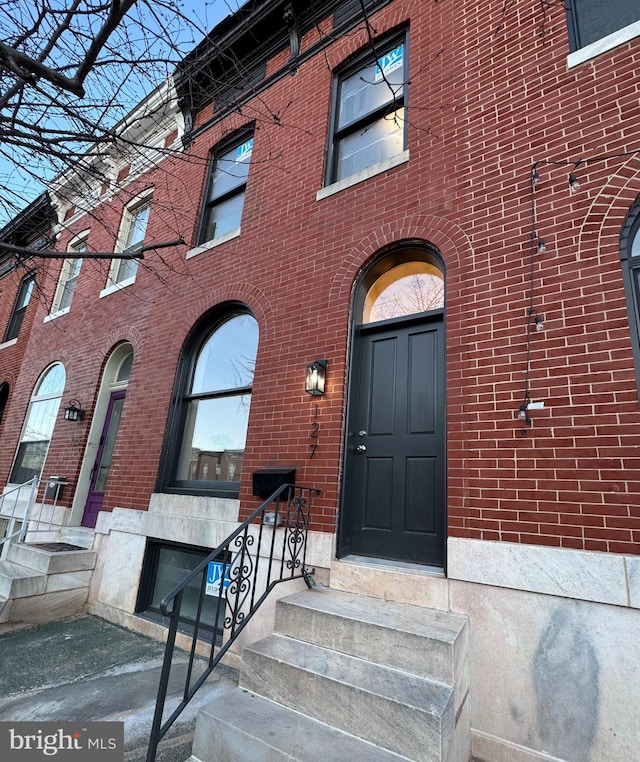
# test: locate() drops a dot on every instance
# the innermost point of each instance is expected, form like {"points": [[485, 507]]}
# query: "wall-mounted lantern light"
{"points": [[315, 379], [74, 411]]}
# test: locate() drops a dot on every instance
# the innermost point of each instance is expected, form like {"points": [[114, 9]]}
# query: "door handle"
{"points": [[361, 448]]}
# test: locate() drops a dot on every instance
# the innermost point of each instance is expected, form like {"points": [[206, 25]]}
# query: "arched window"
{"points": [[406, 282], [406, 289], [4, 398], [630, 259], [210, 416], [38, 427]]}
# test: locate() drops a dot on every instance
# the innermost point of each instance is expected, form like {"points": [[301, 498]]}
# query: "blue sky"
{"points": [[20, 170]]}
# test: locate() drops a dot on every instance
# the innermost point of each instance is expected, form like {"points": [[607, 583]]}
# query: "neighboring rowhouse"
{"points": [[20, 280], [442, 201]]}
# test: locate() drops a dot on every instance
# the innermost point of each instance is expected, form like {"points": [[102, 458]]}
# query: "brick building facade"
{"points": [[521, 503]]}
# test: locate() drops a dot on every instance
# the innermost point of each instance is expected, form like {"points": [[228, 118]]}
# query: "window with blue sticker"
{"points": [[591, 20], [369, 111], [224, 198]]}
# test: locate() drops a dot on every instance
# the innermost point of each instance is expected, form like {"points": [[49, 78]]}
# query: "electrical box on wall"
{"points": [[267, 480]]}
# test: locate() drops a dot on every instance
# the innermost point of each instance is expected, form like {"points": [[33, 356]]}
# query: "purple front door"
{"points": [[100, 473]]}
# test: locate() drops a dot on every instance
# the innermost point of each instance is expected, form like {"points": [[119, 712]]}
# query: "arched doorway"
{"points": [[394, 488], [103, 434]]}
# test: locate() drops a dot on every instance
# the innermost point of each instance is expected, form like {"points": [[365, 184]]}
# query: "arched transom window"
{"points": [[406, 289]]}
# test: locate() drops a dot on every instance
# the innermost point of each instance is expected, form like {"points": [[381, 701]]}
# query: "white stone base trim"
{"points": [[488, 748], [582, 575]]}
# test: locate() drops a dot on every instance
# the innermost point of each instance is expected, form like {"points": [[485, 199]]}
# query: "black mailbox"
{"points": [[55, 485], [267, 480]]}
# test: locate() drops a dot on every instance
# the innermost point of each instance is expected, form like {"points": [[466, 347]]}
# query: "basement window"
{"points": [[165, 565]]}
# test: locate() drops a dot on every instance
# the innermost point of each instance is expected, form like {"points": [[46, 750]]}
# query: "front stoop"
{"points": [[38, 585], [347, 677]]}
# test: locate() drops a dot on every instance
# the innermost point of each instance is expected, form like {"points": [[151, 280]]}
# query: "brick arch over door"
{"points": [[443, 234], [608, 211]]}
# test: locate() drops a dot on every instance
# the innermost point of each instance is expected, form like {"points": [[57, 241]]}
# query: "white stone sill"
{"points": [[579, 574], [208, 245], [56, 314], [117, 287], [9, 343], [365, 174], [607, 43]]}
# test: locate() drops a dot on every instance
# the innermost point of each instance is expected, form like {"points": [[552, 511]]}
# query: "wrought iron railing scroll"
{"points": [[226, 589]]}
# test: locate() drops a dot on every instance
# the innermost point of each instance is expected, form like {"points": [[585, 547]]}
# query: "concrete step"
{"points": [[5, 609], [421, 641], [404, 713], [82, 536], [51, 562], [391, 580], [17, 581], [243, 727]]}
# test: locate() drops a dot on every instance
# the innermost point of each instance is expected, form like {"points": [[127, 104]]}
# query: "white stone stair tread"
{"points": [[51, 562], [395, 685], [254, 728], [416, 620], [11, 570], [18, 581]]}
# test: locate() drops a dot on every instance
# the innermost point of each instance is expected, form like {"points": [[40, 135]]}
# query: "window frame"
{"points": [[78, 244], [5, 390], [148, 580], [630, 267], [127, 225], [208, 204], [573, 29], [27, 284], [361, 61], [167, 481], [37, 397]]}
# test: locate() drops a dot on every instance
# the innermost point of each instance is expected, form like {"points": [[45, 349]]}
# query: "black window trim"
{"points": [[166, 482], [14, 325], [224, 146], [347, 68], [631, 279], [148, 576]]}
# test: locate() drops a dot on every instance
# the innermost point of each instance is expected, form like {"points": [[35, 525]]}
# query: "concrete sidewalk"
{"points": [[85, 668]]}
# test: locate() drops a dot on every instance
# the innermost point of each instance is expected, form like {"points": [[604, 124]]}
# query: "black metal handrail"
{"points": [[231, 588]]}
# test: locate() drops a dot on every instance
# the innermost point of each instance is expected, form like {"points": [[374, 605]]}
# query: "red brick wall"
{"points": [[488, 96]]}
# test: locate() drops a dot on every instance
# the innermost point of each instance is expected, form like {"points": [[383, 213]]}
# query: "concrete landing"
{"points": [[85, 668]]}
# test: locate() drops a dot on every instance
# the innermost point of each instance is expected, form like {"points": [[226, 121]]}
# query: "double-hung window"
{"points": [[224, 198], [369, 123], [20, 307], [134, 228], [69, 276], [591, 20]]}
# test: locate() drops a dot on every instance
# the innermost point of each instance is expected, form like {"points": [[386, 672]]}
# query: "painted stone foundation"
{"points": [[555, 664]]}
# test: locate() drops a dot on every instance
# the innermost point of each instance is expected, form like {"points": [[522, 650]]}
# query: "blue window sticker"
{"points": [[243, 152], [215, 579], [393, 60]]}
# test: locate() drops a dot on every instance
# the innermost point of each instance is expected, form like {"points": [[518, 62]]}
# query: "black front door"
{"points": [[395, 473]]}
